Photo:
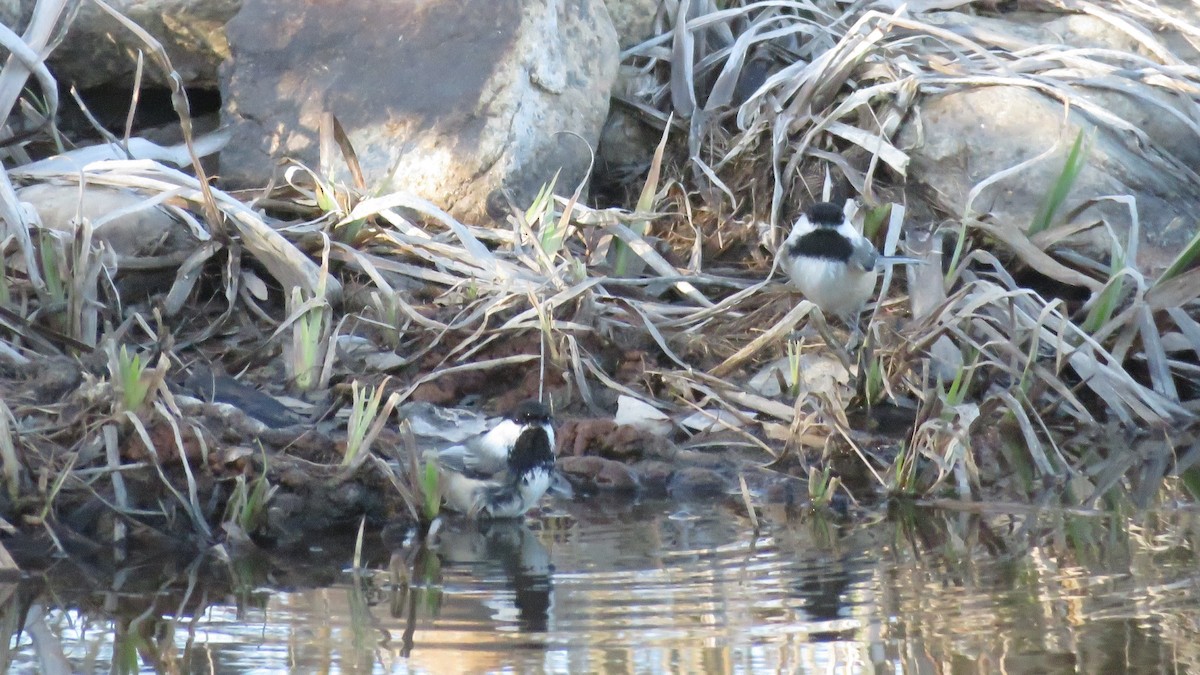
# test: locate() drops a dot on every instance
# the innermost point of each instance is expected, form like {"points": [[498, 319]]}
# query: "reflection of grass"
{"points": [[361, 620], [416, 580], [902, 476]]}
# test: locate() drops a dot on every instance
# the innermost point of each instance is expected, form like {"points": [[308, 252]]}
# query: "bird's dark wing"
{"points": [[864, 255]]}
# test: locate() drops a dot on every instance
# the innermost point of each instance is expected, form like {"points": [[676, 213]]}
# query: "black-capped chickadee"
{"points": [[503, 472], [833, 265]]}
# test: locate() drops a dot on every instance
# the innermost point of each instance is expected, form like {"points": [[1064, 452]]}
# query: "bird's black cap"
{"points": [[825, 214], [530, 412]]}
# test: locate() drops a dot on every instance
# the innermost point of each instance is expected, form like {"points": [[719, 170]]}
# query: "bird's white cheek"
{"points": [[501, 438]]}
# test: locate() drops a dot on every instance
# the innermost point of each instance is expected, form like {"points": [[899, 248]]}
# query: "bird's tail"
{"points": [[898, 260]]}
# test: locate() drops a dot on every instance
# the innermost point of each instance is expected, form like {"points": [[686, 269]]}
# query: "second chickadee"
{"points": [[833, 265], [504, 472]]}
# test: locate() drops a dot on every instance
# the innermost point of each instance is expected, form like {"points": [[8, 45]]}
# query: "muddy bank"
{"points": [[243, 461]]}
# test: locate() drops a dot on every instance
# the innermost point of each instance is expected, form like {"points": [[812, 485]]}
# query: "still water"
{"points": [[614, 587]]}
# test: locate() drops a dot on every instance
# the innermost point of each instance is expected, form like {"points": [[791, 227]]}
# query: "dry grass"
{"points": [[977, 352]]}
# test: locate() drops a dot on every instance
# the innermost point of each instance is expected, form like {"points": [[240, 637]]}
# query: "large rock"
{"points": [[452, 100], [961, 137], [99, 50], [633, 19]]}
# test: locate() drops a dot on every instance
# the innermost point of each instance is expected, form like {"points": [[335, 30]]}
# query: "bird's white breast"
{"points": [[834, 286], [530, 489]]}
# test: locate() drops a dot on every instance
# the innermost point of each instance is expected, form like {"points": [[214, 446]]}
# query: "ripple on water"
{"points": [[637, 588]]}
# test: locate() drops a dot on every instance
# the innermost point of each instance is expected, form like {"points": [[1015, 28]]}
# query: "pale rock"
{"points": [[960, 137], [641, 415], [130, 224], [633, 20]]}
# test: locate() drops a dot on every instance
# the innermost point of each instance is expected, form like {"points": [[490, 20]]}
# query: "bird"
{"points": [[833, 265], [503, 472]]}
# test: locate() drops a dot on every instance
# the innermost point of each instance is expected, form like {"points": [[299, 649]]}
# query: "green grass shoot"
{"points": [[132, 379], [1106, 303], [431, 492], [873, 387], [8, 453], [309, 334], [902, 477], [540, 216], [363, 412], [874, 220], [1182, 262], [1076, 160], [5, 291], [793, 357], [247, 505], [821, 487], [56, 487], [52, 267]]}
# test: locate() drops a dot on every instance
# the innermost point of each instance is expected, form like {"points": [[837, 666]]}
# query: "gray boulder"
{"points": [[451, 100], [633, 19], [1143, 142]]}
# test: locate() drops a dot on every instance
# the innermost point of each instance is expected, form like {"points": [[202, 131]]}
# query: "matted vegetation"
{"points": [[319, 289]]}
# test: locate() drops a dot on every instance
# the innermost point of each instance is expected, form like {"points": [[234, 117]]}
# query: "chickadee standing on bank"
{"points": [[504, 472], [833, 265]]}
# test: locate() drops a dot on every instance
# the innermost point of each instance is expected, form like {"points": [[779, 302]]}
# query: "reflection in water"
{"points": [[506, 550], [647, 587]]}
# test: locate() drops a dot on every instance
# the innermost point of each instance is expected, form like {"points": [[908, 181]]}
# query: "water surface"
{"points": [[616, 587]]}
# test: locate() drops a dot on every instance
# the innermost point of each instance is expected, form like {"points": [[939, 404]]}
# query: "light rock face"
{"points": [[452, 100], [633, 19], [126, 222], [959, 138], [99, 50]]}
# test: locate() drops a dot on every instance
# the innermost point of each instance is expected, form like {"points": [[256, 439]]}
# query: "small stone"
{"points": [[695, 482], [654, 474], [598, 473]]}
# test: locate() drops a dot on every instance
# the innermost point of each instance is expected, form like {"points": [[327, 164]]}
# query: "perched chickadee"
{"points": [[833, 265], [504, 472]]}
